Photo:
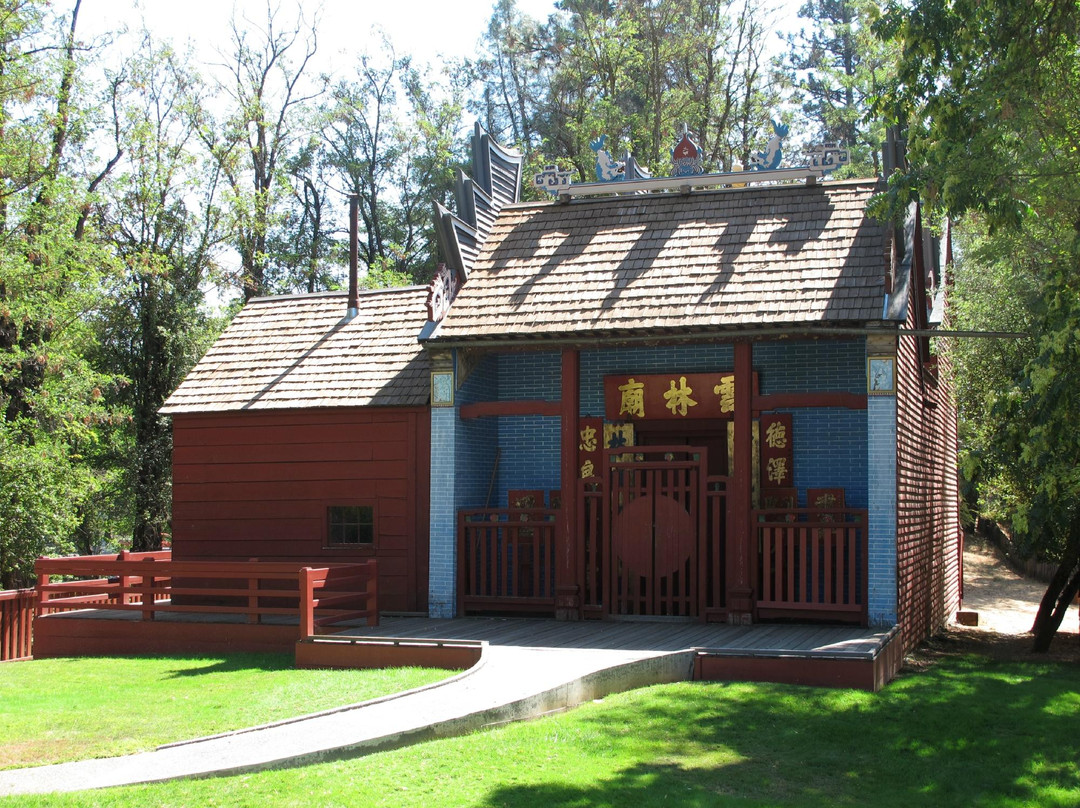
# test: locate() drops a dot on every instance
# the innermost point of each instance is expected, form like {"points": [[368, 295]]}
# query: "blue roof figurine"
{"points": [[607, 168], [770, 158], [829, 157], [552, 179], [686, 156]]}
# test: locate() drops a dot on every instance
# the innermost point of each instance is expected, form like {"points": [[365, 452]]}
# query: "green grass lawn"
{"points": [[53, 710], [965, 732]]}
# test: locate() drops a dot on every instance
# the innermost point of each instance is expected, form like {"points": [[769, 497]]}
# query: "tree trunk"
{"points": [[1060, 592]]}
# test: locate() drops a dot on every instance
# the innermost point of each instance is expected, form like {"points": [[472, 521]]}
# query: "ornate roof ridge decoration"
{"points": [[686, 156], [769, 160], [629, 177], [496, 183]]}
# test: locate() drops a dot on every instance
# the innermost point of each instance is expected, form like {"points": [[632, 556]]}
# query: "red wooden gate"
{"points": [[654, 529]]}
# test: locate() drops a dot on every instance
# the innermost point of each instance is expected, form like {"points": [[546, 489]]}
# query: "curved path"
{"points": [[508, 684]]}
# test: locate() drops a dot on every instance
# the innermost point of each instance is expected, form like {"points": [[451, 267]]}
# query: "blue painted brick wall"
{"points": [[530, 454], [442, 598], [881, 444], [830, 452], [528, 376], [477, 438], [811, 366], [529, 444]]}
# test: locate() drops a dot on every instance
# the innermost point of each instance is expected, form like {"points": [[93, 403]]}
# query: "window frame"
{"points": [[362, 547]]}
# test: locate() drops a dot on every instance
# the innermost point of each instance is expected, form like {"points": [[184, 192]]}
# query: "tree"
{"points": [[838, 68], [54, 417], [389, 140], [636, 72], [514, 71], [267, 90], [989, 89], [157, 214]]}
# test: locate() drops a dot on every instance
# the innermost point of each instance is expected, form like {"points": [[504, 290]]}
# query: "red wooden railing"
{"points": [[331, 595], [150, 583], [591, 571], [16, 622], [812, 563], [714, 551], [506, 559]]}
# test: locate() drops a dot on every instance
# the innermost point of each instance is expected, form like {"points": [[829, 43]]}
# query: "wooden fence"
{"points": [[507, 560], [16, 622], [152, 584], [812, 562]]}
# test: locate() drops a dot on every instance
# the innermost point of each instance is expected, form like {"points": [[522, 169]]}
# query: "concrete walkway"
{"points": [[508, 684]]}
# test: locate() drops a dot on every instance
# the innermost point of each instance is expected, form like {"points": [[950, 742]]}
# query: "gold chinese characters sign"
{"points": [[777, 453], [669, 396], [593, 437]]}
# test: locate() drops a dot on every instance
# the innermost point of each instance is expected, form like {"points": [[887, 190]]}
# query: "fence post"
{"points": [[40, 597], [148, 593], [125, 581], [307, 604]]}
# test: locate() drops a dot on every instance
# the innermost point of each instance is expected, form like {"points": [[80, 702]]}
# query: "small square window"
{"points": [[348, 525]]}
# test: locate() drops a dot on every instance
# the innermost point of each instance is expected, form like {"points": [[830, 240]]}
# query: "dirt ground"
{"points": [[1006, 603]]}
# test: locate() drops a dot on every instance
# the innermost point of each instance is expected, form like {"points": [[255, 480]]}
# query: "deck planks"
{"points": [[774, 639]]}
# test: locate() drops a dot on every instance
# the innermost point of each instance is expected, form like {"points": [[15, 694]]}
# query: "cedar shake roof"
{"points": [[784, 255], [302, 351]]}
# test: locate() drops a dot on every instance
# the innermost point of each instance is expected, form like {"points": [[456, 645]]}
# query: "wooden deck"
{"points": [[837, 656], [644, 635]]}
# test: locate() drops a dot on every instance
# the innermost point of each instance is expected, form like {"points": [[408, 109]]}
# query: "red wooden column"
{"points": [[740, 544], [567, 586]]}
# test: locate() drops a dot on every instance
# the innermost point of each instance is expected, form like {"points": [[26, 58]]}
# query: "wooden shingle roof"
{"points": [[303, 351], [788, 255]]}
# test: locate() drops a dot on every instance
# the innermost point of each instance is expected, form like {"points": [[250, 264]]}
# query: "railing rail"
{"points": [[506, 559], [16, 623], [812, 561], [713, 557], [152, 584], [591, 570]]}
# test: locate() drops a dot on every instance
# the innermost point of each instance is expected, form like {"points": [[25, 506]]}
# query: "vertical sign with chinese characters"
{"points": [[776, 451], [590, 446]]}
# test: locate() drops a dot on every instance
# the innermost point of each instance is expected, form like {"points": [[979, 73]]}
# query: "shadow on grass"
{"points": [[971, 732], [230, 663]]}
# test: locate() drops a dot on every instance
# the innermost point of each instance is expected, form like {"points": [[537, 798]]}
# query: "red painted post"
{"points": [[741, 541], [148, 582], [307, 607], [568, 586], [41, 596]]}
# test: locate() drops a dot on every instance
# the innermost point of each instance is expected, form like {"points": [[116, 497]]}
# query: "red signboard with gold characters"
{"points": [[669, 396], [776, 450]]}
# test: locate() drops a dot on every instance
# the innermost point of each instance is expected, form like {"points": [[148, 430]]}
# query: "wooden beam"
{"points": [[568, 585], [483, 409], [741, 544], [776, 401]]}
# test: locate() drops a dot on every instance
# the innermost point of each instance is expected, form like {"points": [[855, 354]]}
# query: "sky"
{"points": [[422, 28]]}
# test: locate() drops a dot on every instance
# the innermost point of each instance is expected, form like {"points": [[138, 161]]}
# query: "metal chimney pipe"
{"points": [[354, 283]]}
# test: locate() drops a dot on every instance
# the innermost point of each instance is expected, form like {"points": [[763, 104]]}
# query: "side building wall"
{"points": [[258, 484], [927, 499]]}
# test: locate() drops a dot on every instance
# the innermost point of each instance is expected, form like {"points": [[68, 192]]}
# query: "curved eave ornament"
{"points": [[441, 293]]}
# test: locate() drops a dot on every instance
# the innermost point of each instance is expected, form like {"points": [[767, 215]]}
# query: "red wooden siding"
{"points": [[927, 498], [257, 485]]}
